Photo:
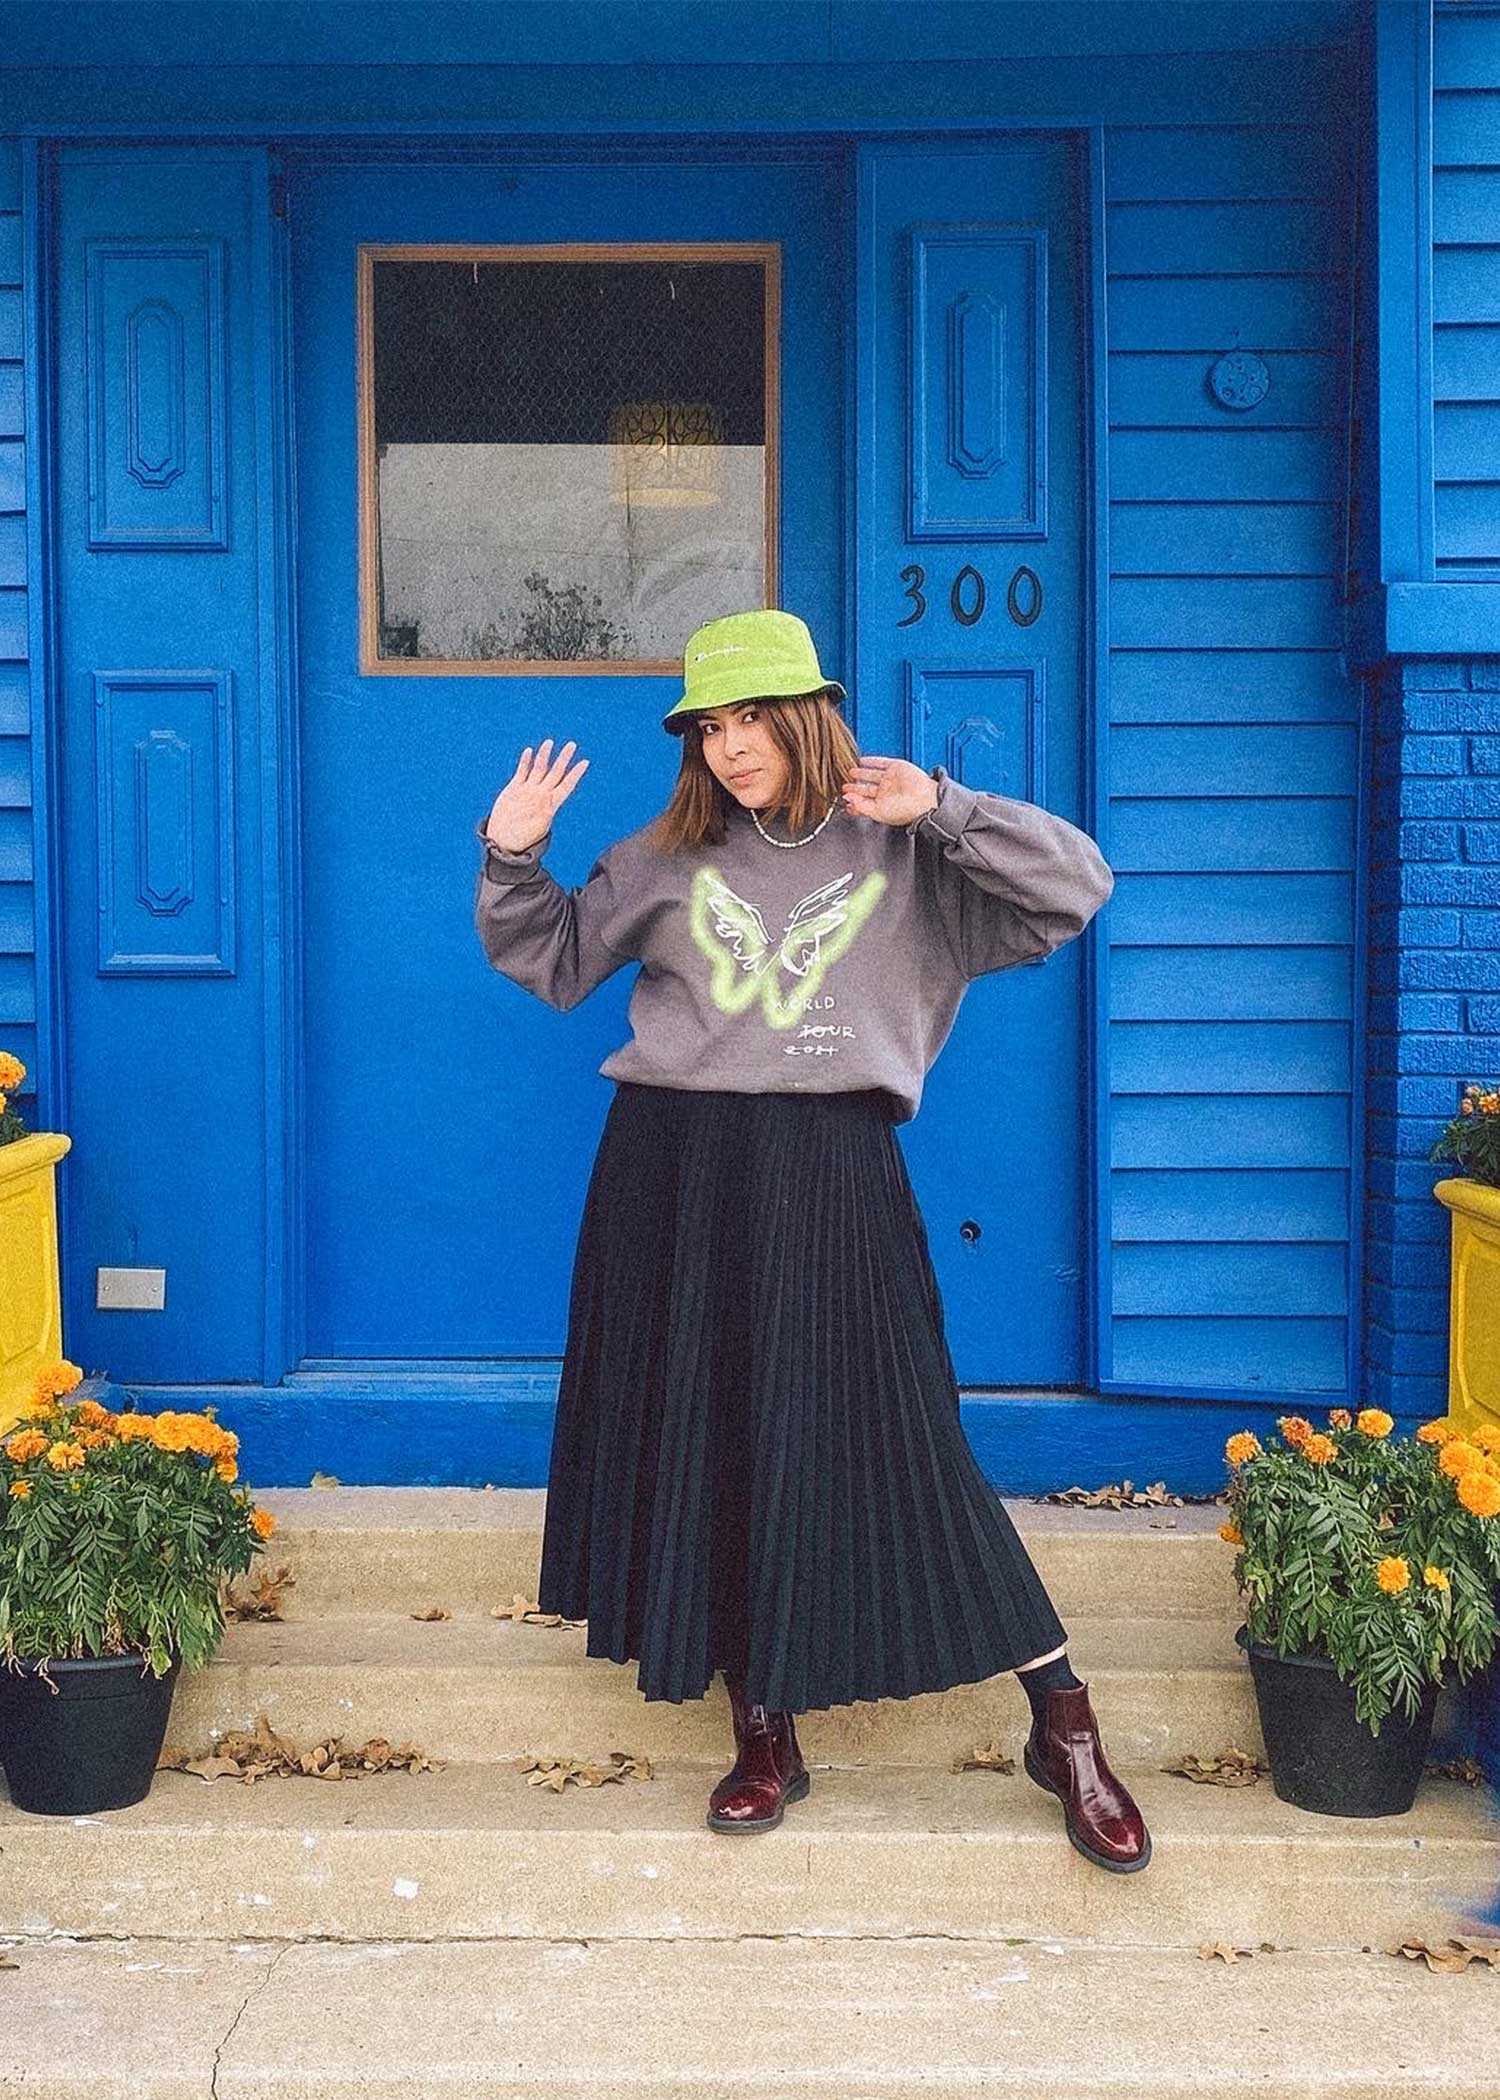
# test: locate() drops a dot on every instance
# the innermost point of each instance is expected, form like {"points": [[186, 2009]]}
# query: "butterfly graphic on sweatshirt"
{"points": [[746, 964]]}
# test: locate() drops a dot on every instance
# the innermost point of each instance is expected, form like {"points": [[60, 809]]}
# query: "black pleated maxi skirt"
{"points": [[758, 1463]]}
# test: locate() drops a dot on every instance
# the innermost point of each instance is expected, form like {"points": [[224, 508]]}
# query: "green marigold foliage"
{"points": [[124, 1552], [1472, 1137], [1319, 1542]]}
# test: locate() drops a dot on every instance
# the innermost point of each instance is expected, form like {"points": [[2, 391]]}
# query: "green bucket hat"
{"points": [[765, 655]]}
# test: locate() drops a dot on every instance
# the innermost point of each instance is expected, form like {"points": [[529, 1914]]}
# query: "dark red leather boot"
{"points": [[1064, 1754], [768, 1770]]}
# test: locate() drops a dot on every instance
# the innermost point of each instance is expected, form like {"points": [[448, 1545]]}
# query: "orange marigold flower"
{"points": [[1393, 1575], [1487, 1437], [1320, 1449], [226, 1468], [1480, 1494], [131, 1427], [1231, 1534], [27, 1444], [1434, 1578], [1457, 1456], [1243, 1445], [20, 1489], [1340, 1418], [1296, 1429], [168, 1432], [93, 1416], [56, 1378], [262, 1523], [12, 1071], [1374, 1421], [65, 1457], [1438, 1432]]}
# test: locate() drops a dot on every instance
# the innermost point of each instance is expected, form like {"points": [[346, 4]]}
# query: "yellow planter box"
{"points": [[1474, 1303], [30, 1307]]}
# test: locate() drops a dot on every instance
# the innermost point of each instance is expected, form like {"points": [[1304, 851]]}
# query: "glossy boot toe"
{"points": [[768, 1770], [1064, 1755]]}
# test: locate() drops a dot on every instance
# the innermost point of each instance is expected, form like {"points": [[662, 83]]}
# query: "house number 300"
{"points": [[1023, 595]]}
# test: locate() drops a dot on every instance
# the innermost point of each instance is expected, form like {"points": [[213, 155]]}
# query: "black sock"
{"points": [[1054, 1676]]}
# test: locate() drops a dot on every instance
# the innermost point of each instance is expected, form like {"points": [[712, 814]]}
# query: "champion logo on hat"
{"points": [[734, 649]]}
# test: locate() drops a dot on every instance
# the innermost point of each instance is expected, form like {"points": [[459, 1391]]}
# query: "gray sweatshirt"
{"points": [[835, 965]]}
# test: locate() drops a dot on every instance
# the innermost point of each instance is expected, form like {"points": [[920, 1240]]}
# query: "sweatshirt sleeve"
{"points": [[1011, 881], [558, 943]]}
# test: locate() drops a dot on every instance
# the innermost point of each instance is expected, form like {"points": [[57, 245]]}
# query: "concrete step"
{"points": [[402, 1549], [473, 1688], [710, 2019], [474, 1852]]}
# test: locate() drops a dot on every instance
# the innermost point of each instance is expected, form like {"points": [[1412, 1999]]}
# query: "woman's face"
{"points": [[741, 752]]}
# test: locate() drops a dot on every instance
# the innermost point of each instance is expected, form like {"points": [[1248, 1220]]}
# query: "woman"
{"points": [[758, 1464]]}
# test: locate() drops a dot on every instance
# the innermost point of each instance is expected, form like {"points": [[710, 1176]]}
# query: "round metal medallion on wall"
{"points": [[1239, 379]]}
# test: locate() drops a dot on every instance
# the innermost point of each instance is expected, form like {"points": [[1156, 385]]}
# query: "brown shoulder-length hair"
{"points": [[819, 749]]}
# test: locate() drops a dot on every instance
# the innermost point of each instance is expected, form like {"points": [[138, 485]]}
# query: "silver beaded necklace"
{"points": [[792, 842]]}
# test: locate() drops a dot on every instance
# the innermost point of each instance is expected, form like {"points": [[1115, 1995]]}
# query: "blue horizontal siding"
{"points": [[1150, 391], [1232, 910], [1225, 539], [1172, 236], [1232, 776], [1252, 1354], [1208, 313], [1258, 832], [1184, 685], [1289, 1280], [1232, 759], [1219, 1057], [1229, 1130], [1242, 465], [1466, 292], [1180, 1204], [1240, 984]]}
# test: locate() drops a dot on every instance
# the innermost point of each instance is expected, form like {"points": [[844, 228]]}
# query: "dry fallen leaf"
{"points": [[984, 1757], [433, 1611], [1124, 1494], [248, 1756], [7, 1963], [263, 1598], [325, 1480], [1232, 1767], [1453, 1957], [526, 1608], [1223, 1951], [1467, 1769], [555, 1772]]}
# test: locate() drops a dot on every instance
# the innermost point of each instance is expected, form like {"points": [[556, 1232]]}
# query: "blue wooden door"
{"points": [[973, 648], [450, 1117]]}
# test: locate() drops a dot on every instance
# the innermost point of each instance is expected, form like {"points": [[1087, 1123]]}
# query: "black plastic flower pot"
{"points": [[1322, 1757], [90, 1744]]}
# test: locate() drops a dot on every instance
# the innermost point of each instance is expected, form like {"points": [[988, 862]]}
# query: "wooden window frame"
{"points": [[368, 254]]}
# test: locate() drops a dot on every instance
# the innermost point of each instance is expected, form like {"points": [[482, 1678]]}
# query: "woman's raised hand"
{"points": [[524, 808]]}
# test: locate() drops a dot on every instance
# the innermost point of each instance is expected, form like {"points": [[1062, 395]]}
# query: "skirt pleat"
{"points": [[758, 1463]]}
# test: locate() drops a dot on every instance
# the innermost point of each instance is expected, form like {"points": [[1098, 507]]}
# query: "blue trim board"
{"points": [[1094, 760], [496, 102], [470, 1429], [394, 33], [1400, 223]]}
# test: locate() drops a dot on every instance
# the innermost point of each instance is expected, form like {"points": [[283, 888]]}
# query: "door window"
{"points": [[567, 454]]}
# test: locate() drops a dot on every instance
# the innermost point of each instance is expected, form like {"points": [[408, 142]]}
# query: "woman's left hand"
{"points": [[891, 790]]}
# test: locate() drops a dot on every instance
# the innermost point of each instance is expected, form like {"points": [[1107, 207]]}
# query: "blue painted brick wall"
{"points": [[1434, 995]]}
